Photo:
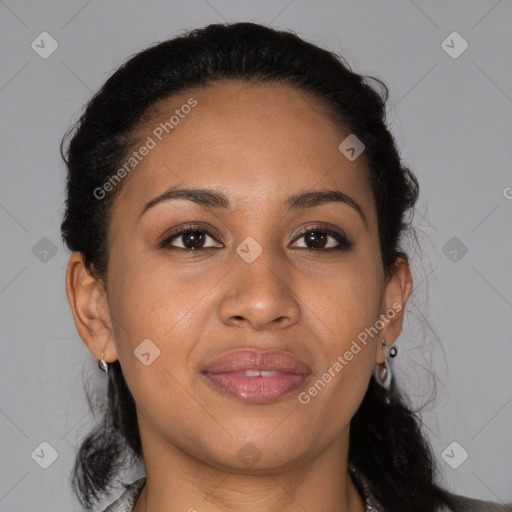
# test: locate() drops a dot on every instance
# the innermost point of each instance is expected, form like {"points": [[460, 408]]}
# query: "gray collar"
{"points": [[371, 504]]}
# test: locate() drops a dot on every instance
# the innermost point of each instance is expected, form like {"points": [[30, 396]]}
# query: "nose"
{"points": [[259, 295]]}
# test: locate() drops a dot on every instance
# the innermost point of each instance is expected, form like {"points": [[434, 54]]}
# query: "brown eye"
{"points": [[191, 239], [319, 239]]}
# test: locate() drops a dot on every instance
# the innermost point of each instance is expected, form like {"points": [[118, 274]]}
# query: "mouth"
{"points": [[257, 377]]}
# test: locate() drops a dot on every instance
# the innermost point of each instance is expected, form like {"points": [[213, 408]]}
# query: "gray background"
{"points": [[452, 120]]}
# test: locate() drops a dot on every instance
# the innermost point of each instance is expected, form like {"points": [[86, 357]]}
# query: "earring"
{"points": [[103, 365], [392, 351], [382, 372]]}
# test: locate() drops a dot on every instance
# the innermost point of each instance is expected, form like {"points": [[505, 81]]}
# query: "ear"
{"points": [[396, 293], [88, 301]]}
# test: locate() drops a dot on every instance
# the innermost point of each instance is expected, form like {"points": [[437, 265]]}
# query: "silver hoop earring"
{"points": [[103, 365], [382, 372]]}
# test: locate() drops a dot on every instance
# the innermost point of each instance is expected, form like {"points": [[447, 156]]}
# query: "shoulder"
{"points": [[127, 500], [459, 503], [452, 502]]}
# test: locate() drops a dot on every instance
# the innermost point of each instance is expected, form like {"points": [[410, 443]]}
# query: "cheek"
{"points": [[346, 306], [154, 334], [350, 310], [349, 299], [151, 297], [159, 313]]}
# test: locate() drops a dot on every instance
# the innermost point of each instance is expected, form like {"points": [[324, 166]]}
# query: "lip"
{"points": [[227, 374]]}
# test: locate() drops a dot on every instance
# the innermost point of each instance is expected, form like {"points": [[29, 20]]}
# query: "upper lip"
{"points": [[257, 360]]}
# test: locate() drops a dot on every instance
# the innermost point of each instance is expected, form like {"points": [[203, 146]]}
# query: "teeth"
{"points": [[257, 373]]}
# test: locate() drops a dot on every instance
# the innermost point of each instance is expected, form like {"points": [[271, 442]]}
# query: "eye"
{"points": [[318, 240], [192, 238]]}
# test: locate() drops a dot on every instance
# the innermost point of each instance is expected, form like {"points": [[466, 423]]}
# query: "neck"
{"points": [[177, 481]]}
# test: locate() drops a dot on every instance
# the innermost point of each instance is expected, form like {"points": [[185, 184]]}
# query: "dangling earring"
{"points": [[382, 372], [103, 364]]}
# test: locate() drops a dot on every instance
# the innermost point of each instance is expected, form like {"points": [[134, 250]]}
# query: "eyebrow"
{"points": [[215, 199]]}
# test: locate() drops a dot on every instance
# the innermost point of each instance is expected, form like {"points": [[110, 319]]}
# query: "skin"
{"points": [[257, 144]]}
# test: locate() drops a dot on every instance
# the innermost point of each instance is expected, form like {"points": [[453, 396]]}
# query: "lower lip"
{"points": [[256, 389]]}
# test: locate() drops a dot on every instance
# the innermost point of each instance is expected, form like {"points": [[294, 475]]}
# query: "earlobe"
{"points": [[87, 299], [396, 294]]}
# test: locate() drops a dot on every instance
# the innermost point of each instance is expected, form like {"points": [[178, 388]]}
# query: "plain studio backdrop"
{"points": [[447, 65]]}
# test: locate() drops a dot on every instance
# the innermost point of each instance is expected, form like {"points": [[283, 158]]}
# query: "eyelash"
{"points": [[344, 243]]}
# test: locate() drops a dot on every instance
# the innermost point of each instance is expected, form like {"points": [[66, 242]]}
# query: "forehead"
{"points": [[256, 143]]}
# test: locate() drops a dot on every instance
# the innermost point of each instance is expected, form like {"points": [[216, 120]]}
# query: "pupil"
{"points": [[192, 238], [316, 239]]}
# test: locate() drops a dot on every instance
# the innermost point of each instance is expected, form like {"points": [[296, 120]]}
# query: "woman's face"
{"points": [[249, 281]]}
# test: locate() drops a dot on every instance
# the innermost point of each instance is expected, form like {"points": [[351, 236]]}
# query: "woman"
{"points": [[235, 206]]}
